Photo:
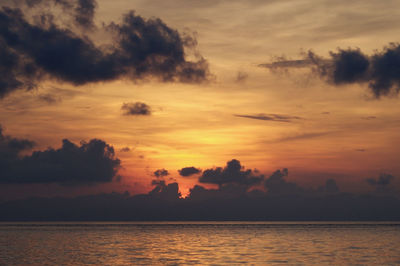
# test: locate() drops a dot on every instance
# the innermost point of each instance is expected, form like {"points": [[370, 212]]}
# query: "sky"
{"points": [[103, 96]]}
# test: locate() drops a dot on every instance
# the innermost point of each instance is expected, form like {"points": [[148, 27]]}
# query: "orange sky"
{"points": [[342, 132]]}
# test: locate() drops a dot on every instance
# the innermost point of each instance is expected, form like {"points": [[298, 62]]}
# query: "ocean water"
{"points": [[175, 243]]}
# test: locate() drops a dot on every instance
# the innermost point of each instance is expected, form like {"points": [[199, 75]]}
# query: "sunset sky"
{"points": [[269, 90]]}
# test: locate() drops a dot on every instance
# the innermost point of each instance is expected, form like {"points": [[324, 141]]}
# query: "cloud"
{"points": [[302, 136], [310, 59], [139, 48], [11, 147], [271, 117], [49, 98], [369, 117], [382, 180], [277, 185], [283, 63], [161, 173], [232, 173], [384, 184], [137, 108], [125, 149], [330, 187], [82, 11], [282, 201], [165, 191], [241, 76], [348, 66], [188, 171], [164, 203], [91, 162]]}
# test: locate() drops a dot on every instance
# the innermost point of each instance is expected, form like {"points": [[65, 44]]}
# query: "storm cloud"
{"points": [[87, 163], [381, 70], [138, 48]]}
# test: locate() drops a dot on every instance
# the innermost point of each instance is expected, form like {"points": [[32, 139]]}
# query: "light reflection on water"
{"points": [[199, 243]]}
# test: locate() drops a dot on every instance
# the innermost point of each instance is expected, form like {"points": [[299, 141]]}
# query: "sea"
{"points": [[200, 243]]}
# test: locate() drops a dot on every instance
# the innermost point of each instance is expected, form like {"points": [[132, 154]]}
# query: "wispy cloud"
{"points": [[303, 136], [271, 117]]}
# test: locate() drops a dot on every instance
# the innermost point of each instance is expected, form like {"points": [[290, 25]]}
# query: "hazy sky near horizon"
{"points": [[267, 117]]}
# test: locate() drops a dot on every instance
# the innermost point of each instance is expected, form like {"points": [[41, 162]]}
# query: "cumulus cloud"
{"points": [[89, 162], [188, 171], [381, 70], [139, 48], [271, 117], [165, 191], [232, 173], [277, 185], [10, 148], [137, 108]]}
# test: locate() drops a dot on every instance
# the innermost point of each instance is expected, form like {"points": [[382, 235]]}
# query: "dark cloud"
{"points": [[349, 66], [165, 191], [71, 164], [232, 173], [164, 203], [330, 187], [188, 171], [49, 98], [10, 148], [283, 201], [161, 173], [346, 66], [277, 185], [82, 11], [382, 180], [137, 108], [271, 117], [125, 149], [140, 48], [384, 184]]}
